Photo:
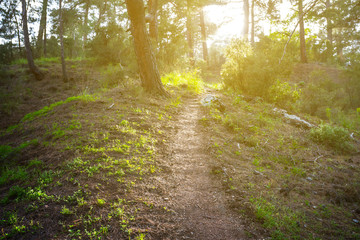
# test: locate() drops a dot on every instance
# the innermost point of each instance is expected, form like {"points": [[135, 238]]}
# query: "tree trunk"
{"points": [[329, 30], [252, 22], [17, 32], [102, 10], [328, 22], [303, 57], [153, 28], [42, 27], [65, 79], [149, 73], [86, 17], [34, 70], [45, 41], [190, 34], [203, 35], [246, 19]]}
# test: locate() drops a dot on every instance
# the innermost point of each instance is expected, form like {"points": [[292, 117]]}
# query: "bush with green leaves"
{"points": [[334, 136], [283, 94], [253, 70]]}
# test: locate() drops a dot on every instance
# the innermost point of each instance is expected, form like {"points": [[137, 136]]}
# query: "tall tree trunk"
{"points": [[303, 57], [102, 10], [42, 27], [153, 27], [38, 75], [86, 17], [190, 34], [65, 79], [252, 22], [149, 73], [246, 19], [17, 32], [329, 29], [45, 42], [203, 35]]}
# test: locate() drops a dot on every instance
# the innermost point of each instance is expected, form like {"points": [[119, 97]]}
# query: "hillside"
{"points": [[86, 160]]}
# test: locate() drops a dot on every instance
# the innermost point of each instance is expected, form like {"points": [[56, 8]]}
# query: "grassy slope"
{"points": [[275, 173], [70, 169], [83, 168]]}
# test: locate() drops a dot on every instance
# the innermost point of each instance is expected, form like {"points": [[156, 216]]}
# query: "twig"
{"points": [[304, 13]]}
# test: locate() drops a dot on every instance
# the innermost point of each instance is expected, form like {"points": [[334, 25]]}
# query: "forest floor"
{"points": [[86, 161]]}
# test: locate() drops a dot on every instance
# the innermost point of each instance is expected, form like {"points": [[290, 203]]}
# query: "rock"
{"points": [[293, 119], [211, 100], [309, 179], [356, 221]]}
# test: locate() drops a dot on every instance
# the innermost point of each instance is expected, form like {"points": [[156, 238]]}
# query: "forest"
{"points": [[180, 119]]}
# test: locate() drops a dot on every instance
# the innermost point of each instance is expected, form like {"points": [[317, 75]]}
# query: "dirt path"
{"points": [[197, 198]]}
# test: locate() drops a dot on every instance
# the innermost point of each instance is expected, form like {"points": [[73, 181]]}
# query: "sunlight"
{"points": [[229, 19]]}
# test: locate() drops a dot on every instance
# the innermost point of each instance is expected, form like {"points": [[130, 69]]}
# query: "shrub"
{"points": [[283, 94], [333, 136], [253, 70]]}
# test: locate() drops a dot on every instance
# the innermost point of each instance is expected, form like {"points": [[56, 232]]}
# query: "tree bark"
{"points": [[252, 22], [17, 32], [246, 19], [42, 27], [34, 70], [102, 10], [86, 17], [303, 57], [149, 73], [63, 65], [190, 34], [153, 27], [329, 27], [203, 35]]}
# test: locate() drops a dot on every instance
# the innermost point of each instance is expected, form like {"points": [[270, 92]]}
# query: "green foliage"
{"points": [[113, 75], [333, 136], [46, 109], [13, 174], [190, 80], [282, 222], [253, 70], [283, 94]]}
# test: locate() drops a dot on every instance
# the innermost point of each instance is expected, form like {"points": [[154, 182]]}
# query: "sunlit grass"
{"points": [[190, 80]]}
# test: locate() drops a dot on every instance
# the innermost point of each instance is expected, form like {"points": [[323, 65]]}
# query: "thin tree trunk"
{"points": [[45, 41], [246, 20], [86, 23], [17, 32], [153, 27], [292, 33], [65, 79], [149, 73], [102, 10], [252, 22], [42, 27], [203, 35], [34, 70], [303, 57], [329, 29], [190, 34]]}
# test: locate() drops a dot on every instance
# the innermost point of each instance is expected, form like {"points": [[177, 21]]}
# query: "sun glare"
{"points": [[229, 19]]}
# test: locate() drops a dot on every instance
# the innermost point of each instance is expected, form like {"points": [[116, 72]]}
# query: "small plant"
{"points": [[101, 202], [66, 211], [333, 136]]}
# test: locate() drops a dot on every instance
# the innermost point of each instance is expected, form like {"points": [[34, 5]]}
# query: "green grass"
{"points": [[281, 221], [46, 109], [190, 80]]}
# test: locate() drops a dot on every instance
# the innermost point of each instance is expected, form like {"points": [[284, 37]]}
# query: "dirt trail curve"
{"points": [[198, 200]]}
